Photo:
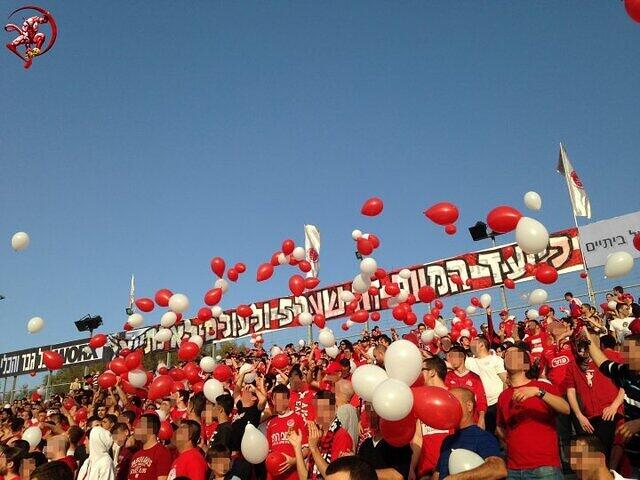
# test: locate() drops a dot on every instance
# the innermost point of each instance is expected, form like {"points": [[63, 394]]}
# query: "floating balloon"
{"points": [[52, 360], [485, 300], [332, 351], [137, 378], [107, 380], [162, 297], [204, 314], [222, 284], [207, 364], [32, 435], [296, 285], [311, 282], [508, 252], [633, 9], [546, 273], [301, 343], [326, 338], [618, 264], [20, 241], [254, 445], [232, 274], [222, 373], [426, 294], [364, 246], [244, 311], [265, 271], [218, 266], [178, 303], [368, 266], [503, 219], [163, 335], [366, 378], [532, 201], [188, 351], [212, 389], [436, 407], [280, 361], [532, 236], [319, 320], [441, 330], [133, 359], [136, 320], [470, 310], [400, 432], [166, 431], [532, 314], [392, 399], [427, 336], [360, 283], [305, 319], [636, 237], [145, 304], [510, 284], [403, 361], [462, 460], [213, 296], [544, 310], [35, 325], [216, 311], [372, 207], [443, 213], [118, 365], [160, 387]]}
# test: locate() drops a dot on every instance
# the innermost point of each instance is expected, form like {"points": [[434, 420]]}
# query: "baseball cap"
{"points": [[504, 311], [635, 327], [333, 367]]}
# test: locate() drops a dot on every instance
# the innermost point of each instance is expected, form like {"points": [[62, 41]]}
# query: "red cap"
{"points": [[333, 367], [504, 311], [635, 327]]}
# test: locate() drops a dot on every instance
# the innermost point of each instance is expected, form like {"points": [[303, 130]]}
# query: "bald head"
{"points": [[57, 447], [344, 392], [467, 402]]}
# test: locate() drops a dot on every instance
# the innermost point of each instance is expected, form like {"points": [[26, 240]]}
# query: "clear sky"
{"points": [[156, 135]]}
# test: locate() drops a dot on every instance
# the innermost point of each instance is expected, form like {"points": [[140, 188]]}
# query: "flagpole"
{"points": [[590, 291]]}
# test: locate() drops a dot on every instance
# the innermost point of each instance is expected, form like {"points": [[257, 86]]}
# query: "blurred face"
{"points": [[280, 402], [182, 437], [42, 417], [3, 464], [220, 466], [143, 430], [120, 437], [445, 343], [54, 444], [465, 342], [515, 360], [455, 359], [583, 459], [324, 412], [379, 356], [106, 424], [102, 411], [624, 311], [631, 353], [27, 467]]}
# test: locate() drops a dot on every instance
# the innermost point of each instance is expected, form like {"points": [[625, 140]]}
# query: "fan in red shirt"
{"points": [[278, 429], [179, 412], [557, 357], [301, 397], [536, 339], [461, 377], [190, 462], [154, 459], [527, 419]]}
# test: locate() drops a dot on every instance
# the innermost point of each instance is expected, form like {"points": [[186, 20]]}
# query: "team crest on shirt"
{"points": [[290, 423], [559, 361], [469, 383]]}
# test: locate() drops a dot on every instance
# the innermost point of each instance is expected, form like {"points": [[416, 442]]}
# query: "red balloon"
{"points": [[240, 267], [265, 271], [546, 273], [392, 289], [468, 282], [292, 261], [436, 407], [232, 274], [304, 266], [438, 304], [510, 284], [475, 301], [274, 262], [81, 415], [507, 252], [372, 207], [52, 360], [399, 312], [411, 319], [380, 273], [133, 360], [344, 327], [118, 366], [455, 278], [274, 462], [160, 387], [375, 316], [188, 351], [107, 380], [544, 310], [530, 268], [204, 314], [144, 304], [426, 294], [166, 431], [359, 316], [218, 266], [319, 320], [127, 327], [124, 352], [244, 311], [162, 297], [177, 374], [450, 229], [400, 432], [443, 213], [636, 237], [503, 219], [633, 10], [373, 291], [364, 246], [280, 361], [429, 320], [69, 403], [222, 373], [98, 340], [213, 296], [583, 274], [296, 285], [311, 282], [288, 246], [197, 387], [193, 372]]}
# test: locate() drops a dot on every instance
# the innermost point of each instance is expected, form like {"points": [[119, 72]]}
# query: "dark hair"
{"points": [[344, 362], [618, 289], [356, 467], [198, 402], [620, 306], [184, 395], [92, 419], [15, 455], [120, 427], [38, 458], [437, 365], [280, 388], [295, 370], [385, 337], [594, 443], [607, 341], [129, 415], [217, 450], [226, 402], [326, 395], [483, 340], [75, 434], [17, 424], [457, 349], [153, 421], [22, 445], [112, 418], [136, 401], [569, 294], [57, 470], [194, 431]]}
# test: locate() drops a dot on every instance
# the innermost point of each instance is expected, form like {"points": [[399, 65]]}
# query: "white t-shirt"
{"points": [[620, 327], [488, 369]]}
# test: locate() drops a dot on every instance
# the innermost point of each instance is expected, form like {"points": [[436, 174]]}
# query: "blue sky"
{"points": [[157, 135]]}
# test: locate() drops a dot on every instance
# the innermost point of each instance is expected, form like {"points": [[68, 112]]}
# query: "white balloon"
{"points": [[249, 373], [349, 323], [427, 336], [216, 311], [275, 350], [405, 274], [35, 325], [470, 310], [485, 300], [163, 335], [254, 445], [87, 349], [454, 320], [222, 284], [197, 339], [465, 333], [20, 241], [403, 361], [346, 296], [298, 253], [301, 343], [137, 377], [532, 314], [538, 296], [618, 265], [462, 460], [612, 305], [33, 435], [305, 318], [368, 266], [356, 234], [207, 364], [532, 201], [392, 399], [250, 377], [531, 236], [402, 296], [361, 283], [282, 259], [162, 415], [178, 303], [218, 358], [441, 330], [212, 389], [252, 341], [393, 301], [326, 338], [168, 319], [365, 380], [136, 320], [332, 351], [40, 391]]}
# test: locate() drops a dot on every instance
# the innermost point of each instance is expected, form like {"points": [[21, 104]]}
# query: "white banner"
{"points": [[600, 239]]}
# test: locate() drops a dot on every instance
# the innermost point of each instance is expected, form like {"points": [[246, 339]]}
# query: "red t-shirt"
{"points": [[208, 430], [508, 326], [69, 460], [189, 463], [537, 344], [430, 452], [470, 381], [177, 415], [277, 431], [556, 361], [333, 445], [302, 403], [530, 429], [594, 391], [150, 464]]}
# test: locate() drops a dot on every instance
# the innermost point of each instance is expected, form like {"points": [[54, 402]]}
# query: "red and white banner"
{"points": [[485, 269]]}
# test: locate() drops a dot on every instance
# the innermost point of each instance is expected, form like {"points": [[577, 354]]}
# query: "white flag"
{"points": [[312, 249], [577, 193], [132, 292]]}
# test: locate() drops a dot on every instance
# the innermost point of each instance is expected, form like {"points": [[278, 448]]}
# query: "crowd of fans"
{"points": [[540, 398]]}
